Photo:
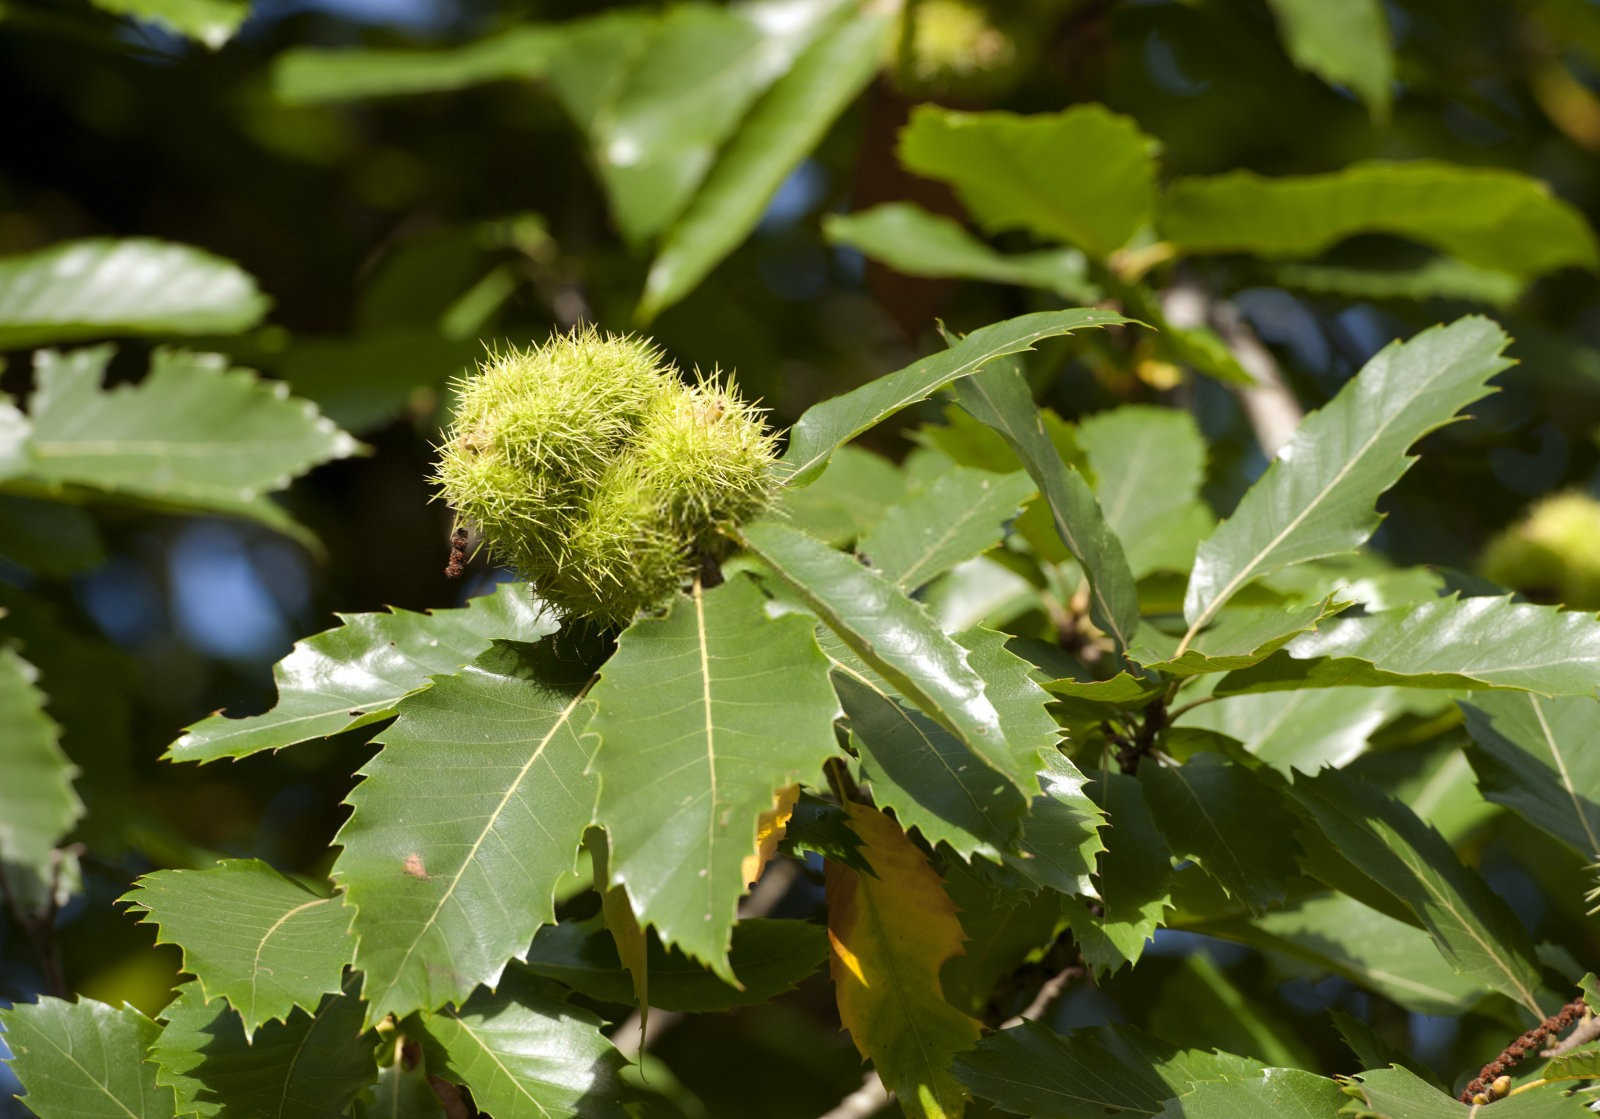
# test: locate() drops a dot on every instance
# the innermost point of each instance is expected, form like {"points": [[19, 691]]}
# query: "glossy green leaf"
{"points": [[779, 131], [1088, 1074], [898, 640], [1338, 935], [928, 776], [909, 239], [1316, 498], [1237, 639], [1001, 398], [891, 932], [357, 673], [1219, 813], [1345, 44], [1484, 216], [1148, 464], [1375, 849], [1399, 1093], [527, 1054], [37, 804], [249, 935], [213, 22], [1536, 757], [769, 957], [1061, 834], [960, 514], [1134, 879], [1447, 643], [97, 287], [1302, 730], [193, 436], [825, 427], [688, 84], [84, 1060], [1084, 175], [702, 717], [463, 826], [312, 1066], [1272, 1093]]}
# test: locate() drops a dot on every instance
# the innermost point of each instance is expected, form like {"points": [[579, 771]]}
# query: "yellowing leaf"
{"points": [[769, 833], [889, 936]]}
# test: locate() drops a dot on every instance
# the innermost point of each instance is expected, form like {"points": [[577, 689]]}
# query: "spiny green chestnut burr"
{"points": [[592, 468], [1553, 553]]}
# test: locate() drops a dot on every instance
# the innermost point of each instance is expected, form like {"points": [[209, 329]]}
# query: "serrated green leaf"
{"points": [[1317, 497], [1375, 849], [1061, 833], [1134, 879], [1148, 464], [249, 935], [1583, 1062], [357, 673], [702, 717], [1239, 638], [1122, 690], [909, 239], [1000, 398], [1088, 1074], [1450, 643], [1302, 730], [960, 514], [930, 778], [1536, 757], [193, 436], [780, 130], [1399, 1093], [825, 427], [1345, 44], [898, 640], [1338, 934], [311, 1066], [84, 1060], [213, 22], [1485, 216], [463, 826], [891, 932], [527, 1054], [1016, 172], [1272, 1093], [98, 287], [1228, 821], [769, 957], [37, 803]]}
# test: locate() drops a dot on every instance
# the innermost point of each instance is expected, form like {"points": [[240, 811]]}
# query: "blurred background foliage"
{"points": [[398, 236]]}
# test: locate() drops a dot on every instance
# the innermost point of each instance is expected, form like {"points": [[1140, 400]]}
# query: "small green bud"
{"points": [[1553, 553], [590, 466]]}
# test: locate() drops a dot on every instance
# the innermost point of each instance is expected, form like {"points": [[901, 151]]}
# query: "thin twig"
{"points": [[1047, 994], [863, 1101], [1583, 1033]]}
